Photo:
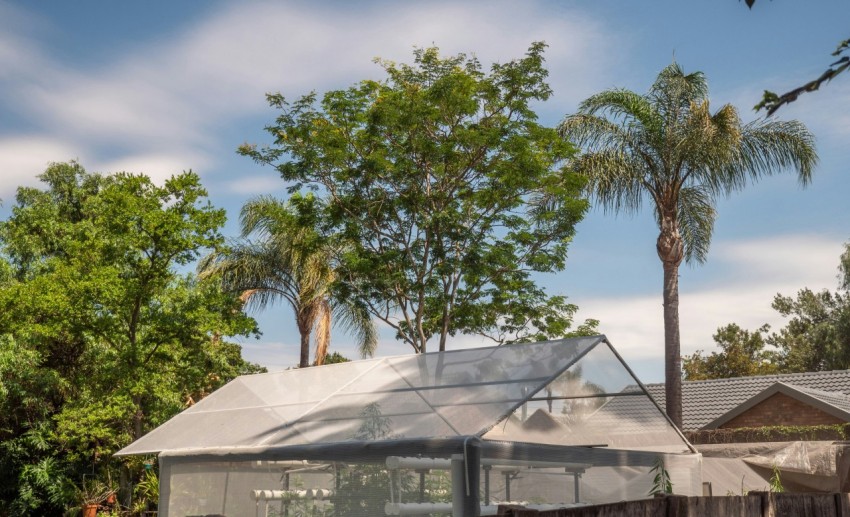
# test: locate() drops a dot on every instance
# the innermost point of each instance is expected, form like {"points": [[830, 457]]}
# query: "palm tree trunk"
{"points": [[304, 362], [671, 251], [672, 344]]}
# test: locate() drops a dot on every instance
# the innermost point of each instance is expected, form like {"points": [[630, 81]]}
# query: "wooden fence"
{"points": [[756, 504]]}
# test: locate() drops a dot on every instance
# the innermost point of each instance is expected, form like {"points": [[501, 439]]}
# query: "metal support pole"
{"points": [[422, 486], [457, 487], [285, 487], [487, 469], [472, 479], [508, 486], [577, 478]]}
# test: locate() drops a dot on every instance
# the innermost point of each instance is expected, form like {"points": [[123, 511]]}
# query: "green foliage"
{"points": [[816, 337], [100, 337], [335, 358], [661, 483], [146, 492], [776, 480], [438, 181], [743, 354], [779, 433]]}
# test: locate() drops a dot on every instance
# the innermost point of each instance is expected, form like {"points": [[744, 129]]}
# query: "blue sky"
{"points": [[160, 87]]}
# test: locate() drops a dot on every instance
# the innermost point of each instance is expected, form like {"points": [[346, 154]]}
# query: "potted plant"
{"points": [[91, 495]]}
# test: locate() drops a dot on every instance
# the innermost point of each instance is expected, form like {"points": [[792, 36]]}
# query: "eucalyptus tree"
{"points": [[291, 261], [668, 149], [433, 176]]}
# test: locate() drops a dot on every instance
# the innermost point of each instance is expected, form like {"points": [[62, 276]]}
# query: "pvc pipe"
{"points": [[413, 463], [280, 495]]}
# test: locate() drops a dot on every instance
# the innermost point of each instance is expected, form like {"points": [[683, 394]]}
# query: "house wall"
{"points": [[780, 409]]}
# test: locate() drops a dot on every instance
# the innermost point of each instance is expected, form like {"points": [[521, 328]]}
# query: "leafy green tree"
{"points": [[743, 354], [291, 261], [815, 338], [817, 335], [436, 178], [95, 304], [667, 148]]}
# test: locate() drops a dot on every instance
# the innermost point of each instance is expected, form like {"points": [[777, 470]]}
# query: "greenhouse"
{"points": [[552, 424]]}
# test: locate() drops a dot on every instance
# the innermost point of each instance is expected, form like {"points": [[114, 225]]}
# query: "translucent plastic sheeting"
{"points": [[453, 393], [346, 489], [594, 402]]}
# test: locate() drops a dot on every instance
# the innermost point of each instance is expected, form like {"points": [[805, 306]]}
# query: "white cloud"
{"points": [[255, 184], [756, 271], [23, 158], [172, 97], [159, 167]]}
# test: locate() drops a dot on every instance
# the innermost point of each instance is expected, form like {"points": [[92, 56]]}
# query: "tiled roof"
{"points": [[704, 401]]}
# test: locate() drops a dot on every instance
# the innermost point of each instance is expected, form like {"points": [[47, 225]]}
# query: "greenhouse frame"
{"points": [[547, 425]]}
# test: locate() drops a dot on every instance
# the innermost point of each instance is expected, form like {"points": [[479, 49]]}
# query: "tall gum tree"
{"points": [[669, 149], [435, 179]]}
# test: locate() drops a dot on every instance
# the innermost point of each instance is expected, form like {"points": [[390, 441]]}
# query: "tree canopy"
{"points": [[101, 337], [437, 179]]}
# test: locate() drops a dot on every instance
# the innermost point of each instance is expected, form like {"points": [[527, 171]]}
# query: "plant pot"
{"points": [[90, 510]]}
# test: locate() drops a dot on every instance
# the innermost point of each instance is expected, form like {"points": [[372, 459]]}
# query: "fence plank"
{"points": [[756, 504]]}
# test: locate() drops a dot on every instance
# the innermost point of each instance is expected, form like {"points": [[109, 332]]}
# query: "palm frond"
{"points": [[615, 179], [769, 147], [621, 104], [264, 217], [674, 90], [594, 132], [696, 221], [354, 318], [251, 267]]}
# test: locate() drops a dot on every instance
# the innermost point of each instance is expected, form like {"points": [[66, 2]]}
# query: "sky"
{"points": [[160, 87]]}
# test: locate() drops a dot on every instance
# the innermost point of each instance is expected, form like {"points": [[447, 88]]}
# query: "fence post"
{"points": [[677, 505]]}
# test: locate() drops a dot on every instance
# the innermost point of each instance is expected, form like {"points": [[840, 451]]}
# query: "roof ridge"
{"points": [[817, 391], [826, 373]]}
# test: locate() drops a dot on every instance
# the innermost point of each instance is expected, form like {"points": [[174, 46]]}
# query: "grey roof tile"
{"points": [[704, 401]]}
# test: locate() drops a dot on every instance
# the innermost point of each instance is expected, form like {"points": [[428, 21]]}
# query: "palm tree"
{"points": [[290, 261], [668, 148]]}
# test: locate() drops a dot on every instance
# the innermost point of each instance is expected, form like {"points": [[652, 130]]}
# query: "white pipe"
{"points": [[403, 462], [277, 495], [319, 493]]}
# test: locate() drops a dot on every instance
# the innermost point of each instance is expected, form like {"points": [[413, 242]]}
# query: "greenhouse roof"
{"points": [[545, 393]]}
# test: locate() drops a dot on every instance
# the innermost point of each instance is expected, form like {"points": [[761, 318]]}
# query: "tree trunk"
{"points": [[670, 248], [305, 348], [672, 352]]}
